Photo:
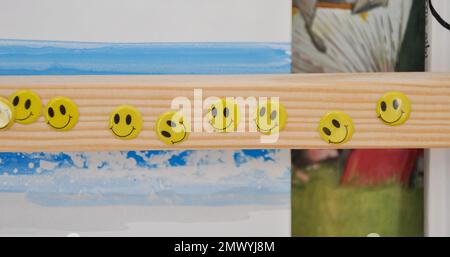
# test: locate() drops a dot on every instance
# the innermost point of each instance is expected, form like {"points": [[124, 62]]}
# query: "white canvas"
{"points": [[241, 192]]}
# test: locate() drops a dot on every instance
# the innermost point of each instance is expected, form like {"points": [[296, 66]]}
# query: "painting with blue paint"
{"points": [[21, 57], [148, 177], [244, 185]]}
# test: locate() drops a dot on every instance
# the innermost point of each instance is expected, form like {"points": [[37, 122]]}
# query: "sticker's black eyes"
{"points": [[116, 118], [16, 101], [336, 123], [128, 119], [395, 104], [27, 104], [62, 109], [226, 112], [171, 124], [165, 133], [273, 115], [51, 112], [383, 106], [326, 131], [262, 111], [214, 112]]}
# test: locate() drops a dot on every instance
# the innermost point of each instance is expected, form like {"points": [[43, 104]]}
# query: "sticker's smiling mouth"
{"points": [[31, 114], [184, 136], [266, 130], [63, 127], [210, 122], [131, 132], [391, 122], [345, 137]]}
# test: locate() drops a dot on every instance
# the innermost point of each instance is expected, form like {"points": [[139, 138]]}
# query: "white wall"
{"points": [[147, 20], [437, 194], [437, 184]]}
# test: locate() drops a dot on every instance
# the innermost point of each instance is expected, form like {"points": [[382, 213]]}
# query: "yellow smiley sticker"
{"points": [[61, 113], [28, 106], [7, 114], [171, 128], [270, 117], [336, 127], [393, 108], [125, 122], [223, 115]]}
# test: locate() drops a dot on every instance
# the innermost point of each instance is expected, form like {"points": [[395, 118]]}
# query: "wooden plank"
{"points": [[306, 97]]}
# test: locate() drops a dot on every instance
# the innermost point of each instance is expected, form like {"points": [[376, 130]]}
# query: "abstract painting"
{"points": [[220, 192]]}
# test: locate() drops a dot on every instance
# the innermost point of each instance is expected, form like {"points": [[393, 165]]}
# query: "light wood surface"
{"points": [[306, 97]]}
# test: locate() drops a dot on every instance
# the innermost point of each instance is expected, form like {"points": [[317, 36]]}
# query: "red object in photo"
{"points": [[376, 166]]}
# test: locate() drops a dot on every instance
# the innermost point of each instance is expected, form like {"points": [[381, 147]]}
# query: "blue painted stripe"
{"points": [[19, 57]]}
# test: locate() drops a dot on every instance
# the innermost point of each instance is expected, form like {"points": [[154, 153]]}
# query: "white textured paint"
{"points": [[147, 20], [25, 218]]}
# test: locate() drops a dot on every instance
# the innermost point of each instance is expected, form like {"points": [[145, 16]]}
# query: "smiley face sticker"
{"points": [[61, 114], [223, 115], [270, 117], [336, 127], [393, 108], [28, 106], [125, 122], [171, 128], [7, 114]]}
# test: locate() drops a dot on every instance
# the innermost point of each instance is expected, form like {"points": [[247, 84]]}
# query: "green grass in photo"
{"points": [[322, 207]]}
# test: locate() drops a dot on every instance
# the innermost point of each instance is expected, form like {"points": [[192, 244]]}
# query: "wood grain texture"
{"points": [[306, 97]]}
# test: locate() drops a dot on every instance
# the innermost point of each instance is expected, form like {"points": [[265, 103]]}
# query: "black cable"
{"points": [[438, 17]]}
